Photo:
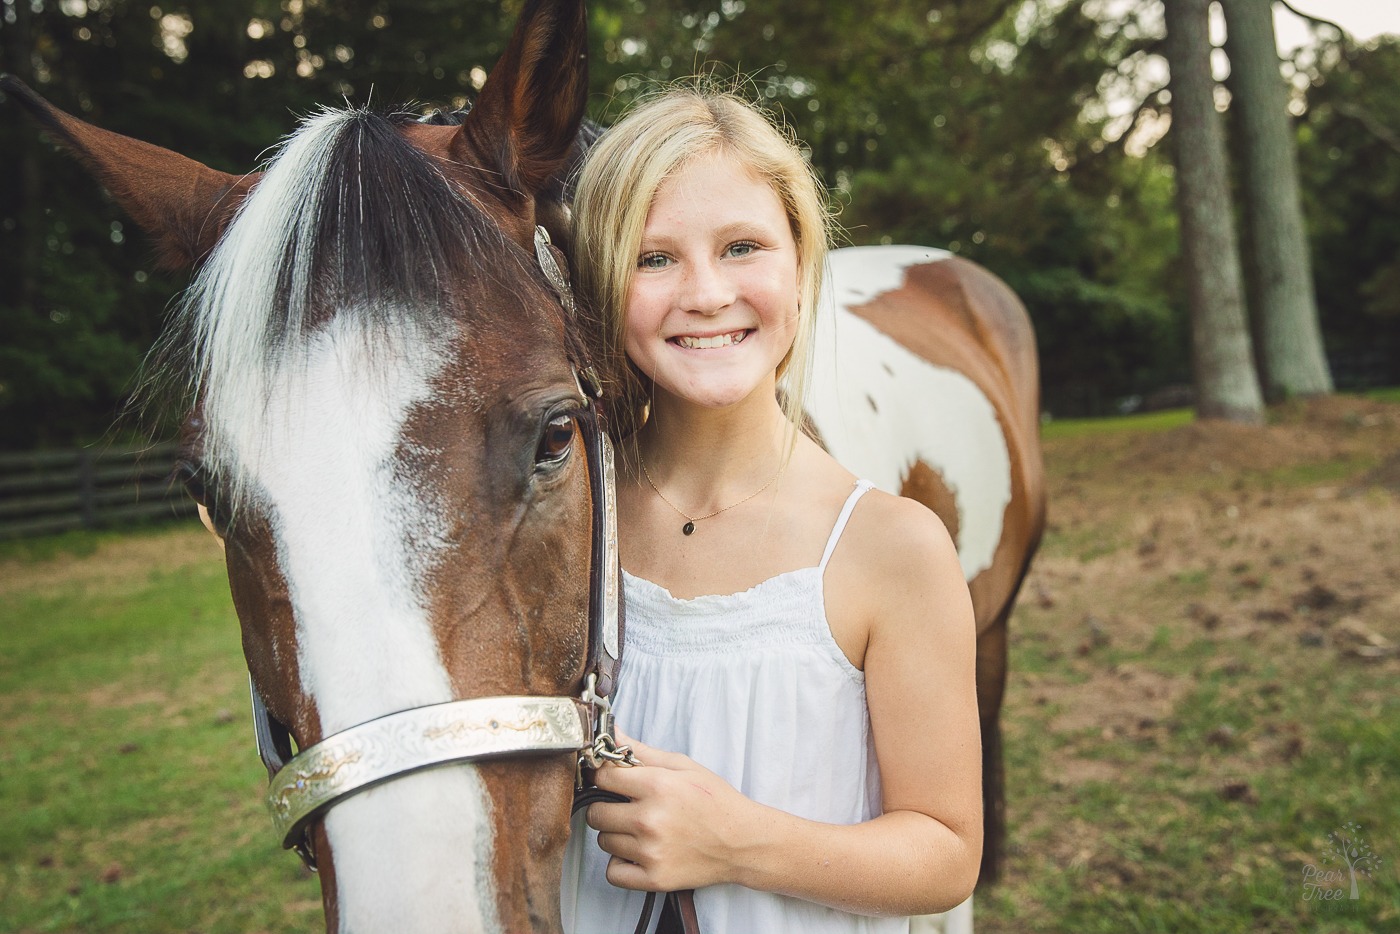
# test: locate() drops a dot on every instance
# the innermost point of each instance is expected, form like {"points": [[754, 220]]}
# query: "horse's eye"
{"points": [[557, 441]]}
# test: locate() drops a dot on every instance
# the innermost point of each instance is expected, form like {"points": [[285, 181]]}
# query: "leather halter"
{"points": [[302, 787]]}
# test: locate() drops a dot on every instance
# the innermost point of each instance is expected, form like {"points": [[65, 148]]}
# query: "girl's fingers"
{"points": [[627, 875], [651, 756], [621, 846], [623, 780], [606, 816]]}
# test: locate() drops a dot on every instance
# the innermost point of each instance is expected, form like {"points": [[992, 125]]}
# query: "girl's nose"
{"points": [[706, 289]]}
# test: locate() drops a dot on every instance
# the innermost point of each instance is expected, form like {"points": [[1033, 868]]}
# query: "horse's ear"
{"points": [[182, 203], [529, 111]]}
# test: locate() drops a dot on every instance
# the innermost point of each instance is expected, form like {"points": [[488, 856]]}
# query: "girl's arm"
{"points": [[686, 827]]}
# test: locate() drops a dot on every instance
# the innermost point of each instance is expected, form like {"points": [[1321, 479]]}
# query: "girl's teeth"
{"points": [[706, 343]]}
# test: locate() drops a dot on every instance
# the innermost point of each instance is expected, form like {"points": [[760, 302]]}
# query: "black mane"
{"points": [[392, 233]]}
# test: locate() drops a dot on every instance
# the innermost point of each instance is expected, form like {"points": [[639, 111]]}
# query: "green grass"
{"points": [[1150, 422], [1308, 474], [1163, 849], [1086, 542], [48, 547], [79, 543], [1146, 422], [130, 786]]}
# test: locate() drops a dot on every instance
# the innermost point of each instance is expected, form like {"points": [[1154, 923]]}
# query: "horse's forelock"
{"points": [[350, 222]]}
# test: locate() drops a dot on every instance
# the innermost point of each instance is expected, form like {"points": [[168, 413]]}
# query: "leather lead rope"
{"points": [[678, 908]]}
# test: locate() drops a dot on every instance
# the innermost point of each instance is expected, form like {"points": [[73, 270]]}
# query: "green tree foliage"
{"points": [[1349, 153], [977, 125], [218, 80]]}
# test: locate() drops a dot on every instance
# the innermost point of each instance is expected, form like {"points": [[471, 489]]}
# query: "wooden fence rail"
{"points": [[53, 491]]}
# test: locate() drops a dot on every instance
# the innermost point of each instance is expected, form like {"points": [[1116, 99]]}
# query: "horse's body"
{"points": [[926, 382], [382, 387]]}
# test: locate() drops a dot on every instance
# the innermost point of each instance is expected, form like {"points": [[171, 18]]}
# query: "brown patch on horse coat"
{"points": [[955, 314], [924, 484]]}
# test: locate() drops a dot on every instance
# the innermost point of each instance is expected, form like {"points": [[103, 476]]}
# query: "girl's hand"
{"points": [[682, 829]]}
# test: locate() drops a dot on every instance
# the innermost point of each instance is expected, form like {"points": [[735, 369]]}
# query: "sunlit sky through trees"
{"points": [[1364, 19]]}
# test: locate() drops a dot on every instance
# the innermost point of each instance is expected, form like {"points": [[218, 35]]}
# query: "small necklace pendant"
{"points": [[688, 528]]}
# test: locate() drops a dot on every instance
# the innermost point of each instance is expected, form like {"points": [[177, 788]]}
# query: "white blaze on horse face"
{"points": [[354, 543], [311, 431], [880, 407]]}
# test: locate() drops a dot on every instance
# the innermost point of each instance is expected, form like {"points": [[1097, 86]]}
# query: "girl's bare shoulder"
{"points": [[885, 531], [897, 562], [893, 535]]}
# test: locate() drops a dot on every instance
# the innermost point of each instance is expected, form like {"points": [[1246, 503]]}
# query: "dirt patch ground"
{"points": [[1213, 605], [1290, 526], [1330, 429]]}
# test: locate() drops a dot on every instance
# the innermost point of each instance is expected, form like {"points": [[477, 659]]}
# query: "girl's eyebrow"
{"points": [[727, 232], [743, 227]]}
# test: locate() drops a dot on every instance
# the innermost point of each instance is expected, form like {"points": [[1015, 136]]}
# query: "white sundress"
{"points": [[753, 686]]}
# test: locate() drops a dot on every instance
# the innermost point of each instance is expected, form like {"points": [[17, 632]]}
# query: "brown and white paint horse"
{"points": [[926, 382], [381, 389]]}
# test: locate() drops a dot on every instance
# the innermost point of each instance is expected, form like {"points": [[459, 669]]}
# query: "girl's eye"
{"points": [[742, 248], [557, 441], [653, 261]]}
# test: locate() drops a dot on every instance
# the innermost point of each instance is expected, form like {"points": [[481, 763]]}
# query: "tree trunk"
{"points": [[1226, 384], [1288, 340]]}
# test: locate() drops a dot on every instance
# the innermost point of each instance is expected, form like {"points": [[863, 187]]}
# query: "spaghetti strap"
{"points": [[841, 520]]}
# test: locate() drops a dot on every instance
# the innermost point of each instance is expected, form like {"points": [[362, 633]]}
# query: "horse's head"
{"points": [[383, 430]]}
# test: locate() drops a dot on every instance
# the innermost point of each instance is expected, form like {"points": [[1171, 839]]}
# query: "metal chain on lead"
{"points": [[604, 747]]}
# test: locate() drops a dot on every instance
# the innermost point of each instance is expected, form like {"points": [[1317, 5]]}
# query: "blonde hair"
{"points": [[616, 187]]}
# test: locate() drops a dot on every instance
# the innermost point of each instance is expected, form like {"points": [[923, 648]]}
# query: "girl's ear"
{"points": [[183, 204]]}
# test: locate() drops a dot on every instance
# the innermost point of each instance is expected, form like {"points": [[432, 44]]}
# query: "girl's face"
{"points": [[712, 309]]}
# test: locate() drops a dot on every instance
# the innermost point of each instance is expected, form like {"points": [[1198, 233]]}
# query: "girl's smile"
{"points": [[712, 307], [702, 342]]}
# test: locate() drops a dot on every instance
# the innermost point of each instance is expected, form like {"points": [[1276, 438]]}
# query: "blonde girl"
{"points": [[798, 677]]}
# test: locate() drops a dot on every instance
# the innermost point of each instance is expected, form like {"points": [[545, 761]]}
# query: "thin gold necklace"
{"points": [[690, 520]]}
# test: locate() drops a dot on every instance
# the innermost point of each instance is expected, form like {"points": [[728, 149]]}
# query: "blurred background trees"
{"points": [[1024, 134], [1226, 381], [1287, 339]]}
